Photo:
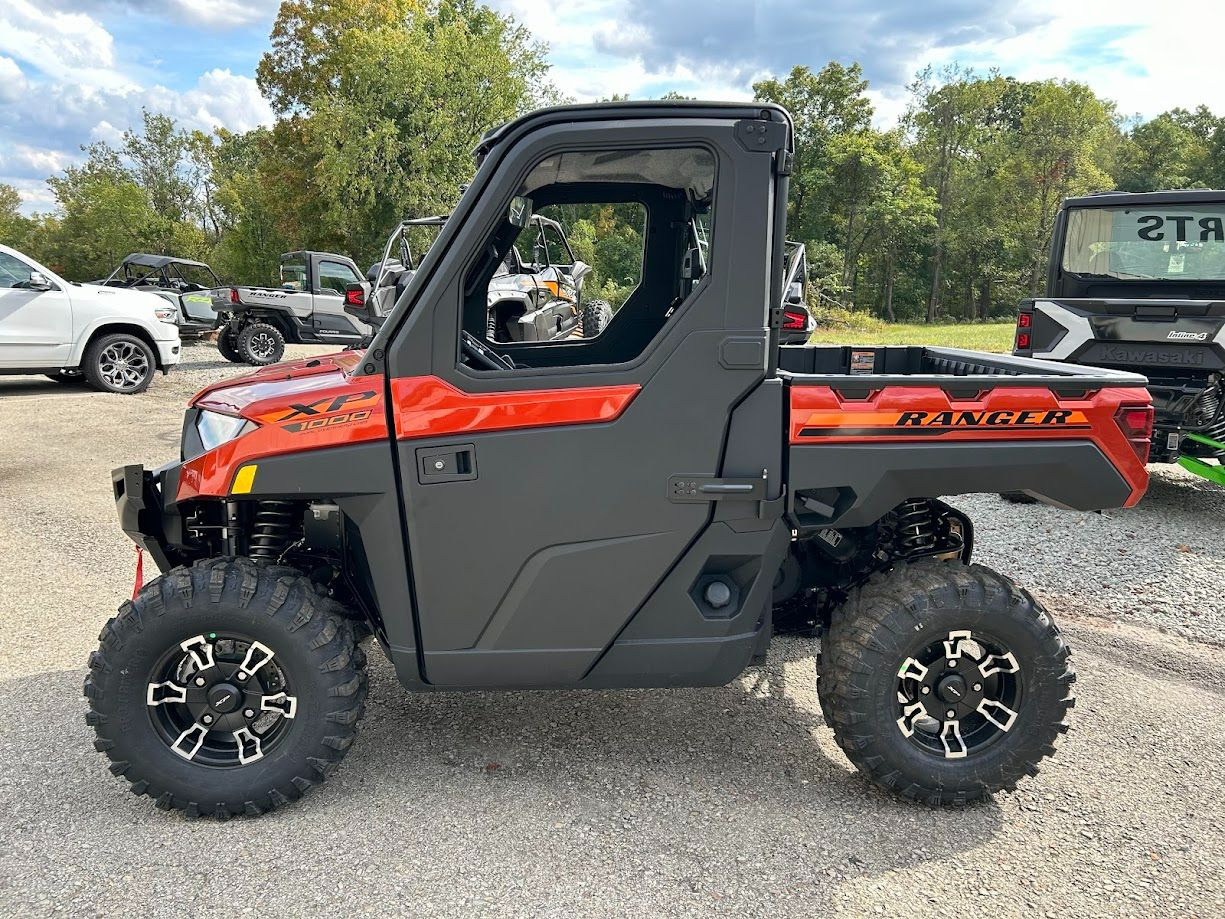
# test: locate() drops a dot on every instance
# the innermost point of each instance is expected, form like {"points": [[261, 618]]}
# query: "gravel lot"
{"points": [[686, 802]]}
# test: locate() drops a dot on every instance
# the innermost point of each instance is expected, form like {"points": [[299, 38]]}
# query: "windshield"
{"points": [[1172, 243]]}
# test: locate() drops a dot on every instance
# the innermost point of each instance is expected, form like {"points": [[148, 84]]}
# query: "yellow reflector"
{"points": [[244, 480]]}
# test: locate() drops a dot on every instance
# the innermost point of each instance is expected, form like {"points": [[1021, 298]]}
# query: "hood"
{"points": [[276, 386], [123, 299]]}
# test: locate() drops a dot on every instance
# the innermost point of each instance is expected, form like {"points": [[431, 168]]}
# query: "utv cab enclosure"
{"points": [[1137, 282], [307, 308], [184, 283], [628, 510]]}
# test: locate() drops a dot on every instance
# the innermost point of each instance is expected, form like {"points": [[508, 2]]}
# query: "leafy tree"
{"points": [[13, 224]]}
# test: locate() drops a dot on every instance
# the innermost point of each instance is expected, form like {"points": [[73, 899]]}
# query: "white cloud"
{"points": [[62, 45], [12, 80], [222, 14]]}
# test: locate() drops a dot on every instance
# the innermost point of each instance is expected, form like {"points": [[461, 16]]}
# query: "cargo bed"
{"points": [[871, 427]]}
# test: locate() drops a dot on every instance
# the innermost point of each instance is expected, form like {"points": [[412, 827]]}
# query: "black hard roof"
{"points": [[653, 108], [160, 261], [1142, 198]]}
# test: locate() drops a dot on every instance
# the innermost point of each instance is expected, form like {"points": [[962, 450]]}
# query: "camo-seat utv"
{"points": [[626, 510]]}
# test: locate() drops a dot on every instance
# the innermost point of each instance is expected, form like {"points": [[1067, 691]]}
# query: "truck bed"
{"points": [[871, 427], [916, 365]]}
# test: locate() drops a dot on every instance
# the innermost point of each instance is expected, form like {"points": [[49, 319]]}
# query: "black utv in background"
{"points": [[1137, 282]]}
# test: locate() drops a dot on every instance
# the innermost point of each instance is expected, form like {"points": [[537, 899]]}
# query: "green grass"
{"points": [[975, 336]]}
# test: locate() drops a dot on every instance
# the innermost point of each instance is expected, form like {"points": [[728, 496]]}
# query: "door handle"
{"points": [[450, 463]]}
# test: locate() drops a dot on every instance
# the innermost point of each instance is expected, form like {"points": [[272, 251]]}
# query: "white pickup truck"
{"points": [[114, 339]]}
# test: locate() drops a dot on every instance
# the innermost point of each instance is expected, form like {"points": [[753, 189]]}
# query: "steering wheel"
{"points": [[479, 355]]}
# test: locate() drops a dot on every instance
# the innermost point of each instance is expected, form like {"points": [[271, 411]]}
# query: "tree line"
{"points": [[378, 105]]}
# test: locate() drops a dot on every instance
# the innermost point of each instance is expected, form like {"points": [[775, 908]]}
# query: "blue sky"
{"points": [[73, 71]]}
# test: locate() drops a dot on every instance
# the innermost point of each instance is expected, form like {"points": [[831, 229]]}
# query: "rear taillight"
{"points": [[1025, 322], [1136, 423], [233, 294], [795, 320]]}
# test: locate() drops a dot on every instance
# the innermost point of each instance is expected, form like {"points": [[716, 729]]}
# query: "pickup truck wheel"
{"points": [[944, 683], [261, 343], [119, 363], [227, 688], [227, 345]]}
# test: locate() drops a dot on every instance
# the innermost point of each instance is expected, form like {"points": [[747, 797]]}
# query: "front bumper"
{"points": [[147, 510], [169, 351]]}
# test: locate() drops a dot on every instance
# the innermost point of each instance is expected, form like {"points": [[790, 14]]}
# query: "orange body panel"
{"points": [[312, 405], [430, 407], [915, 414]]}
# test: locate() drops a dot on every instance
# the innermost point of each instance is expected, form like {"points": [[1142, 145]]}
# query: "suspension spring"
{"points": [[272, 529], [916, 527]]}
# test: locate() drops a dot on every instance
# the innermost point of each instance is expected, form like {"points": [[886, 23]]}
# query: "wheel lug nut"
{"points": [[200, 681], [952, 663], [248, 713], [978, 687], [926, 690], [951, 713], [207, 719]]}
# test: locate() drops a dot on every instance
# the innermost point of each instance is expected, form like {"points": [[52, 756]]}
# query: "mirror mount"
{"points": [[39, 281]]}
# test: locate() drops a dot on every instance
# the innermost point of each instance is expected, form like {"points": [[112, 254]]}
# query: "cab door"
{"points": [[551, 488], [35, 325]]}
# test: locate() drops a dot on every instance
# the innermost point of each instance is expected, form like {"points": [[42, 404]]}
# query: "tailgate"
{"points": [[1146, 335], [858, 449]]}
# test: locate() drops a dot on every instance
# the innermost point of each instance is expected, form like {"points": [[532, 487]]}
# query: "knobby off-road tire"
{"points": [[314, 660], [261, 343], [597, 314], [227, 345], [868, 681]]}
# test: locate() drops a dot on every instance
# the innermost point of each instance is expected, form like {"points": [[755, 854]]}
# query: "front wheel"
{"points": [[944, 683], [119, 363], [225, 689], [261, 344]]}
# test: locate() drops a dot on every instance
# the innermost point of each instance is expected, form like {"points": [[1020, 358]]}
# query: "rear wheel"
{"points": [[597, 314], [261, 343], [119, 363], [227, 688], [944, 683], [227, 344]]}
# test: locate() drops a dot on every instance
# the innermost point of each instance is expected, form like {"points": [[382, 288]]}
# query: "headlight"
{"points": [[216, 429], [165, 313]]}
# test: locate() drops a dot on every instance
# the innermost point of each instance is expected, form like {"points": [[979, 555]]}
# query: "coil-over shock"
{"points": [[274, 526]]}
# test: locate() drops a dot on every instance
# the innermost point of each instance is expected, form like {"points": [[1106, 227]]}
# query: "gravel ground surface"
{"points": [[686, 802]]}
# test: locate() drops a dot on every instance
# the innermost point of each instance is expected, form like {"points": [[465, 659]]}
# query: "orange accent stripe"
{"points": [[431, 407]]}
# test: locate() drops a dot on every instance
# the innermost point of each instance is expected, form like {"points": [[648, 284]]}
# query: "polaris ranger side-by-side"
{"points": [[1137, 282], [308, 308], [627, 510]]}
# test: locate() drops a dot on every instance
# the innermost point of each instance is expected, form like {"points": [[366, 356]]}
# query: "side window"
{"points": [[13, 271], [593, 240], [293, 274], [334, 277]]}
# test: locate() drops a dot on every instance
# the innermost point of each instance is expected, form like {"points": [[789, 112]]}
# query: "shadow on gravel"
{"points": [[729, 770], [17, 386]]}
